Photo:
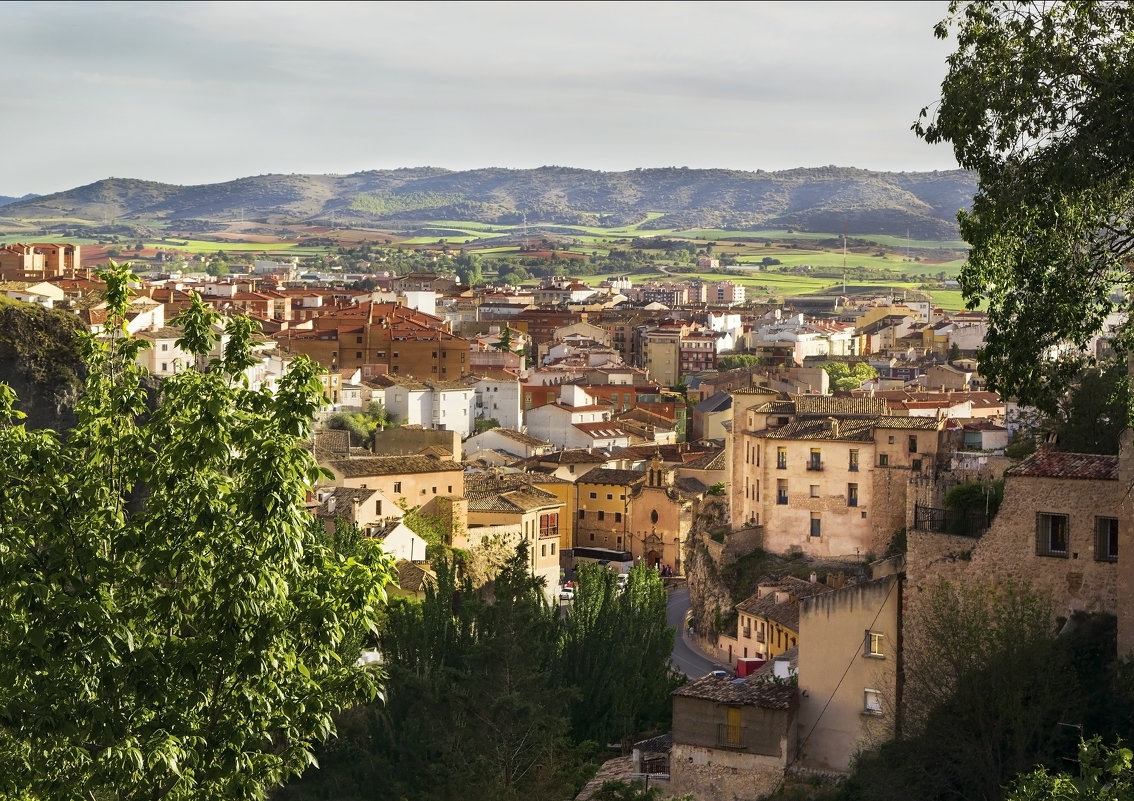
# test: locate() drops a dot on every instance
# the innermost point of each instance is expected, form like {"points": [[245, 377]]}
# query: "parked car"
{"points": [[720, 674], [567, 593]]}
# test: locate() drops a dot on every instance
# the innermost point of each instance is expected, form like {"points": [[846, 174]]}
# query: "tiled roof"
{"points": [[832, 405], [818, 428], [512, 501], [603, 475], [747, 691], [1047, 463], [340, 500], [711, 460], [519, 436], [390, 465], [413, 577], [776, 407], [915, 423]]}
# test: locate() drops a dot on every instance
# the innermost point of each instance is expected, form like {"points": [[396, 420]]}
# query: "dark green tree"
{"points": [[1037, 101], [173, 620], [616, 651], [1105, 774]]}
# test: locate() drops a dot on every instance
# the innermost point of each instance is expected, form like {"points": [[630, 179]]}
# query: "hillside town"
{"points": [[679, 426]]}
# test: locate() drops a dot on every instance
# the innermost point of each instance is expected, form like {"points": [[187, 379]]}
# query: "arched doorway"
{"points": [[653, 558]]}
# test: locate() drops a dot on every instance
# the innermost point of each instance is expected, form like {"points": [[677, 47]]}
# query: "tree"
{"points": [[1105, 774], [173, 619], [1037, 101], [1093, 413], [848, 377], [616, 650], [732, 361]]}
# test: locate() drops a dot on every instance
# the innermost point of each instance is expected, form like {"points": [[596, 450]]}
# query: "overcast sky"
{"points": [[193, 93]]}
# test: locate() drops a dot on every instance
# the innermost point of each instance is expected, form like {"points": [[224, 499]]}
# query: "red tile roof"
{"points": [[1047, 463]]}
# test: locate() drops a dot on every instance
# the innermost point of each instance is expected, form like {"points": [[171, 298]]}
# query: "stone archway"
{"points": [[653, 558]]}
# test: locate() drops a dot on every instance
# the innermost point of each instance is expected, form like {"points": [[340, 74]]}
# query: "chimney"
{"points": [[331, 504]]}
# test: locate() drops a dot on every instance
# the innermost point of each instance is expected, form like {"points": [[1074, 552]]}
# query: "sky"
{"points": [[191, 93]]}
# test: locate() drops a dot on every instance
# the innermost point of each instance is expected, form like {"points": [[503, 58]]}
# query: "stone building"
{"points": [[827, 476], [732, 738]]}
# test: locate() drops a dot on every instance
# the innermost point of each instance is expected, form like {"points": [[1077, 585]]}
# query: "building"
{"points": [[40, 261], [732, 739], [828, 476]]}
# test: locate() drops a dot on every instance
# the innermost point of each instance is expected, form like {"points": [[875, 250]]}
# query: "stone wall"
{"points": [[717, 774]]}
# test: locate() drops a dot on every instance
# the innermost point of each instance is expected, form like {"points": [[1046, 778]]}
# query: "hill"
{"points": [[827, 199]]}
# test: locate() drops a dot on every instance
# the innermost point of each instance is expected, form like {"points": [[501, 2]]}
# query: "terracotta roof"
{"points": [[747, 691], [604, 475], [711, 460], [916, 423], [519, 436], [832, 405], [817, 428], [414, 577], [339, 500], [522, 499], [1047, 463], [390, 465]]}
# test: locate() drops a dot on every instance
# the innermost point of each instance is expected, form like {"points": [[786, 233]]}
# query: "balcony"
{"points": [[730, 736], [781, 499], [746, 633], [815, 465], [781, 464]]}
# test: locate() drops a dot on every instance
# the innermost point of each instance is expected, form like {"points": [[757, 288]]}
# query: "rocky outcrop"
{"points": [[41, 359]]}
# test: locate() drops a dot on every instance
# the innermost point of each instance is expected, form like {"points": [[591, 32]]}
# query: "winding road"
{"points": [[686, 657]]}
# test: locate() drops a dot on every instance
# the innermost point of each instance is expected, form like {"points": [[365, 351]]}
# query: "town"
{"points": [[681, 427]]}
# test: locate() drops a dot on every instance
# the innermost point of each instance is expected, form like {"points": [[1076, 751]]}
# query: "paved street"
{"points": [[686, 658]]}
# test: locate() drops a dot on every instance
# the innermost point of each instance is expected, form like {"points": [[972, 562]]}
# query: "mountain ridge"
{"points": [[919, 204]]}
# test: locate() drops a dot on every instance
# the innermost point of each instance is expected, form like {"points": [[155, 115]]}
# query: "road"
{"points": [[686, 657]]}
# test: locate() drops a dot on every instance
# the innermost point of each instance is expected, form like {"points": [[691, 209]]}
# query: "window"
{"points": [[883, 460], [395, 354], [358, 340], [781, 458], [873, 645], [618, 517], [816, 531], [913, 443], [553, 549], [781, 492], [1051, 535], [891, 439], [916, 465], [852, 494], [450, 490], [1106, 539], [871, 702], [594, 495], [609, 497], [814, 490], [435, 490], [853, 466], [165, 346], [543, 550], [583, 515], [358, 354], [601, 515], [815, 461], [378, 508], [397, 486]]}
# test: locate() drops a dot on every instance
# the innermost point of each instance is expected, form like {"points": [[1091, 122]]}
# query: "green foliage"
{"points": [[1105, 774], [381, 204], [632, 791], [474, 707], [848, 377], [616, 651], [897, 545], [362, 425], [717, 489], [987, 686], [430, 528], [1021, 446], [1035, 102], [976, 496], [486, 424], [1094, 412], [732, 361], [174, 622]]}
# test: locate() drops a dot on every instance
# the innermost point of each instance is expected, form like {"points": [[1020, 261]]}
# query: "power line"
{"points": [[854, 657]]}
